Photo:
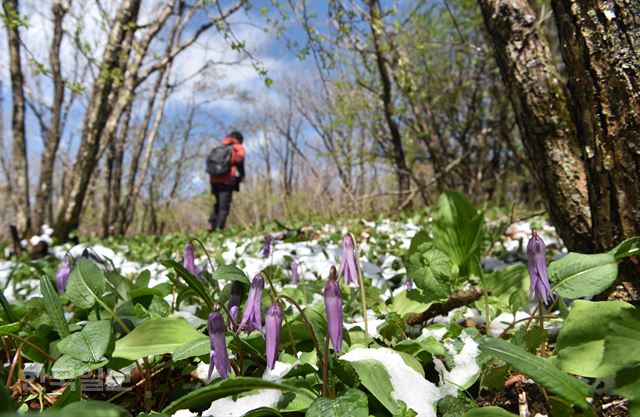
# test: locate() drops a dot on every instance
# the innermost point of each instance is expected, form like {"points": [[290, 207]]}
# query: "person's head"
{"points": [[237, 135]]}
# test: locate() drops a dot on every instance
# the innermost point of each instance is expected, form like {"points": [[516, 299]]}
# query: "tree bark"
{"points": [[402, 170], [19, 143], [600, 44], [542, 114], [42, 205], [95, 120]]}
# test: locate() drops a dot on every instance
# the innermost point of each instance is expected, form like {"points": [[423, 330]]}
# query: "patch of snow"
{"points": [[437, 332], [465, 368]]}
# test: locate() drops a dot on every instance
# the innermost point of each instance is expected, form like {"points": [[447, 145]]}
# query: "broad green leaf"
{"points": [[376, 379], [622, 342], [353, 403], [629, 247], [6, 402], [430, 270], [155, 337], [93, 409], [9, 328], [54, 307], [230, 273], [411, 301], [89, 344], [224, 388], [192, 281], [539, 370], [457, 230], [86, 284], [68, 367], [578, 275], [197, 347], [628, 385], [488, 412], [580, 346]]}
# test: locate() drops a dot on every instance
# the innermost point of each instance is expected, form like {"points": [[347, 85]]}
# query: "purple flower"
{"points": [[272, 324], [234, 300], [294, 272], [252, 315], [266, 246], [63, 272], [538, 270], [409, 284], [219, 355], [189, 261], [348, 263], [333, 306]]}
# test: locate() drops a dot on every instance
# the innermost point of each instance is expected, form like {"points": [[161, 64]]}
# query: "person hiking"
{"points": [[225, 165]]}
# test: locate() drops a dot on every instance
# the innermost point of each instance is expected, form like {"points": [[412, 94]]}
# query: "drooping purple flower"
{"points": [[63, 272], [409, 285], [333, 306], [234, 300], [219, 356], [348, 262], [294, 272], [189, 261], [266, 246], [273, 324], [538, 270], [252, 315]]}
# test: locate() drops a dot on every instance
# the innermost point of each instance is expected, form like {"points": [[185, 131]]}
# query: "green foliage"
{"points": [[578, 275], [353, 402], [86, 284], [539, 370]]}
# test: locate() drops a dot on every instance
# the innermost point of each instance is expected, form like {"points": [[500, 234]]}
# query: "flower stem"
{"points": [[363, 300], [316, 344], [215, 287]]}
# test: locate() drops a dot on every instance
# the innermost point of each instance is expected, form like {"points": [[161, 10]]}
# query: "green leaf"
{"points": [[155, 337], [457, 230], [353, 403], [93, 409], [488, 412], [430, 268], [411, 301], [628, 385], [192, 281], [230, 273], [71, 394], [68, 367], [539, 370], [89, 344], [629, 247], [190, 349], [622, 342], [578, 275], [9, 328], [376, 379], [86, 284], [581, 342], [224, 388], [54, 307]]}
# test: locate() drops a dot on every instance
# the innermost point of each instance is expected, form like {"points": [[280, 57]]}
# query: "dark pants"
{"points": [[223, 194]]}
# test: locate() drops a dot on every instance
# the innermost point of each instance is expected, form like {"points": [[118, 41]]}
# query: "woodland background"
{"points": [[109, 108]]}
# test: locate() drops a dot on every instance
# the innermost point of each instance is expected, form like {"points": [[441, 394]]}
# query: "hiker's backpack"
{"points": [[219, 160]]}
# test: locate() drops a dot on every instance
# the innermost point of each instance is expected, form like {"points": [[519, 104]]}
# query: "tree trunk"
{"points": [[42, 205], [600, 43], [402, 170], [19, 143], [542, 113], [95, 120]]}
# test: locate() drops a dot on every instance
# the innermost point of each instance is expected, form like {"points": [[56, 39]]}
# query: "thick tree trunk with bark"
{"points": [[95, 120], [600, 43], [402, 170], [42, 205], [542, 113], [20, 187]]}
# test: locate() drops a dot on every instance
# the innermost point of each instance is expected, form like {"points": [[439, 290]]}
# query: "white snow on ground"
{"points": [[228, 407], [411, 387]]}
